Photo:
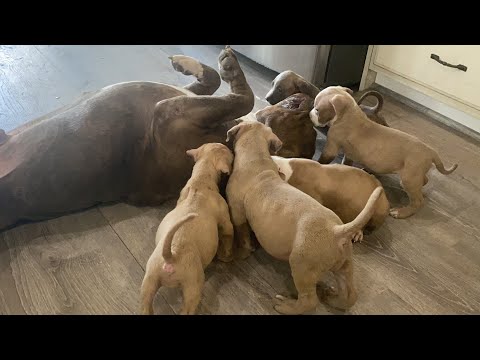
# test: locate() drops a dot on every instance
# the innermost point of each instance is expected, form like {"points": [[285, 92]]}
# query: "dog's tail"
{"points": [[439, 165], [167, 245], [376, 95], [346, 231]]}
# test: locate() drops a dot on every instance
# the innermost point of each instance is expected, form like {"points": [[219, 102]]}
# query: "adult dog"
{"points": [[126, 142]]}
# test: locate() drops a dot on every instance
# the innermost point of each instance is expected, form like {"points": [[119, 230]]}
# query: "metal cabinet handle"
{"points": [[444, 63]]}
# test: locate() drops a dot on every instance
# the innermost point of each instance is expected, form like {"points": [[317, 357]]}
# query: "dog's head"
{"points": [[248, 128], [324, 110], [218, 154], [295, 105], [286, 84]]}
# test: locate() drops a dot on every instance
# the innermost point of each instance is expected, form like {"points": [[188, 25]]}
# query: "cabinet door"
{"points": [[414, 63]]}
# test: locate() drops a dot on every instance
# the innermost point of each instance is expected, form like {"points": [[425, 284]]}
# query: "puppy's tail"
{"points": [[346, 231], [439, 165], [376, 95], [167, 245]]}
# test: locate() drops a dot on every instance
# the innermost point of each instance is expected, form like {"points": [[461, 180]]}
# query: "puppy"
{"points": [[383, 150], [289, 224], [343, 189], [188, 237], [290, 121], [288, 83]]}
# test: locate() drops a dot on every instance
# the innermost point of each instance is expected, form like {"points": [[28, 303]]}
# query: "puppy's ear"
{"points": [[193, 153], [274, 143], [340, 103], [235, 131], [349, 91]]}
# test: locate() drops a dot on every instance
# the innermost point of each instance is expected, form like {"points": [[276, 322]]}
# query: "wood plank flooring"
{"points": [[93, 262]]}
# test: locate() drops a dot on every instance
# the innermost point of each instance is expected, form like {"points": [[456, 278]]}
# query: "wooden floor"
{"points": [[93, 262]]}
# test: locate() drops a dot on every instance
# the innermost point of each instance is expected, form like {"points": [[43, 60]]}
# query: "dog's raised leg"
{"points": [[225, 245], [210, 111], [305, 276], [412, 183], [208, 80]]}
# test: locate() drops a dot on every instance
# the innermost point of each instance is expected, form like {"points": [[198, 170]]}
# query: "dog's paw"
{"points": [[187, 66], [358, 236], [228, 65]]}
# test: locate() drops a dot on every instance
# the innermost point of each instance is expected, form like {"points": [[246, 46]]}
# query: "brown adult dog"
{"points": [[288, 83], [290, 121], [289, 224], [383, 150], [343, 189], [125, 142], [188, 236]]}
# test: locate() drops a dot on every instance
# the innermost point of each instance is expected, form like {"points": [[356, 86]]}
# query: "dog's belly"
{"points": [[77, 156]]}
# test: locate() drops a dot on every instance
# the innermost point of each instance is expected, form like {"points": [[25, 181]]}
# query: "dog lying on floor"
{"points": [[289, 224], [382, 149], [290, 121], [343, 189], [188, 236]]}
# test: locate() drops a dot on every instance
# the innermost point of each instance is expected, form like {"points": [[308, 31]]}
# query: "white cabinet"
{"points": [[411, 71]]}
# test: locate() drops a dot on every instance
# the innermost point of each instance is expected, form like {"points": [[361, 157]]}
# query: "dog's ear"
{"points": [[193, 153], [274, 143], [304, 87], [235, 131], [339, 103], [349, 91]]}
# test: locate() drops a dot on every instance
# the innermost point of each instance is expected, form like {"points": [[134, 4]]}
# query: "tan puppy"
{"points": [[188, 236], [289, 224], [383, 150], [343, 189]]}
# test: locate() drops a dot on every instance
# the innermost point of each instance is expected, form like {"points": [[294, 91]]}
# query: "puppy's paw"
{"points": [[187, 66], [285, 305], [358, 236]]}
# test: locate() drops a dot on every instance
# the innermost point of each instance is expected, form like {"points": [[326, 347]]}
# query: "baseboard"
{"points": [[447, 115]]}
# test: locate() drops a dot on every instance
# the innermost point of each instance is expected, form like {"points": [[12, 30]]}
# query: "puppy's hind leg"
{"points": [[150, 285], [305, 274], [192, 288], [412, 181]]}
